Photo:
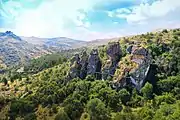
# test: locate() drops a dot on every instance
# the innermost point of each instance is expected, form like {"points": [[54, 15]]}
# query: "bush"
{"points": [[85, 116], [147, 91], [61, 115], [97, 110], [20, 107], [124, 96]]}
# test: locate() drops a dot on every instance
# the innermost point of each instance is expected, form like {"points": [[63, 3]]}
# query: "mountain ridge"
{"points": [[18, 49]]}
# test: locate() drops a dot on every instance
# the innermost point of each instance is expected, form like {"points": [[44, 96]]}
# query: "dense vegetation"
{"points": [[47, 61], [49, 95]]}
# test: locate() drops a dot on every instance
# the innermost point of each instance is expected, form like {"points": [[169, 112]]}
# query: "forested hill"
{"points": [[134, 78], [17, 50]]}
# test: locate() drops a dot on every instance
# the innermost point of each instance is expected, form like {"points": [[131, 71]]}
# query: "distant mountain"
{"points": [[58, 43], [63, 42], [99, 42], [14, 50], [8, 35]]}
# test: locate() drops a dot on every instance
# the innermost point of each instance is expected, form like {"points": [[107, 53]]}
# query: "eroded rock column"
{"points": [[114, 53], [94, 64]]}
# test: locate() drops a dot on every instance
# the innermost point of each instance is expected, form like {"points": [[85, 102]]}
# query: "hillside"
{"points": [[131, 78], [14, 50], [59, 43], [18, 50]]}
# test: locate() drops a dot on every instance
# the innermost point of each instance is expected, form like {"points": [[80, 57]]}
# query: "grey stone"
{"points": [[94, 64]]}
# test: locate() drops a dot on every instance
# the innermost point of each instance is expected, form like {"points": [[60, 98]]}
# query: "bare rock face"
{"points": [[75, 58], [139, 51], [134, 68], [84, 63], [114, 52], [94, 64], [129, 49], [75, 67]]}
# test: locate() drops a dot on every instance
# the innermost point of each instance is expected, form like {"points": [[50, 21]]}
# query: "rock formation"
{"points": [[129, 49], [94, 64], [114, 53], [75, 67], [84, 63], [134, 68]]}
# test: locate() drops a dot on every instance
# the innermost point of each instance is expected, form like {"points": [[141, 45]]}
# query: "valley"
{"points": [[127, 78], [19, 50]]}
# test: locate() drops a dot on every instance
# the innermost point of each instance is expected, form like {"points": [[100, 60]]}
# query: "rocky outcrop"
{"points": [[94, 64], [84, 63], [129, 49], [75, 67], [75, 58], [134, 68], [114, 53]]}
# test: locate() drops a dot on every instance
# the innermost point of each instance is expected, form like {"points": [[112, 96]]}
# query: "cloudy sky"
{"points": [[87, 19]]}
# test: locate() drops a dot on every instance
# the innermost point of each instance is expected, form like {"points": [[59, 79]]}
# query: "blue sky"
{"points": [[87, 19]]}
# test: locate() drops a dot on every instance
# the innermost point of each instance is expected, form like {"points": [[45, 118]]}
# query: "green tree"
{"points": [[73, 107], [97, 110], [126, 114], [85, 116], [20, 107], [165, 112], [124, 96], [62, 115], [145, 113], [111, 98], [5, 81], [167, 85], [165, 98], [165, 31], [90, 78], [147, 91]]}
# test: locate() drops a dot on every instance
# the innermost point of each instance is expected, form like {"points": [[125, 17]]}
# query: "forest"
{"points": [[56, 87]]}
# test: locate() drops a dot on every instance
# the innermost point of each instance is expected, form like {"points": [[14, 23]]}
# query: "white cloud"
{"points": [[123, 10], [146, 11], [115, 22], [51, 19], [110, 13], [59, 18], [68, 18], [9, 13]]}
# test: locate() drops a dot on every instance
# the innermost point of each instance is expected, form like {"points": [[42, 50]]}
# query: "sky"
{"points": [[87, 19]]}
